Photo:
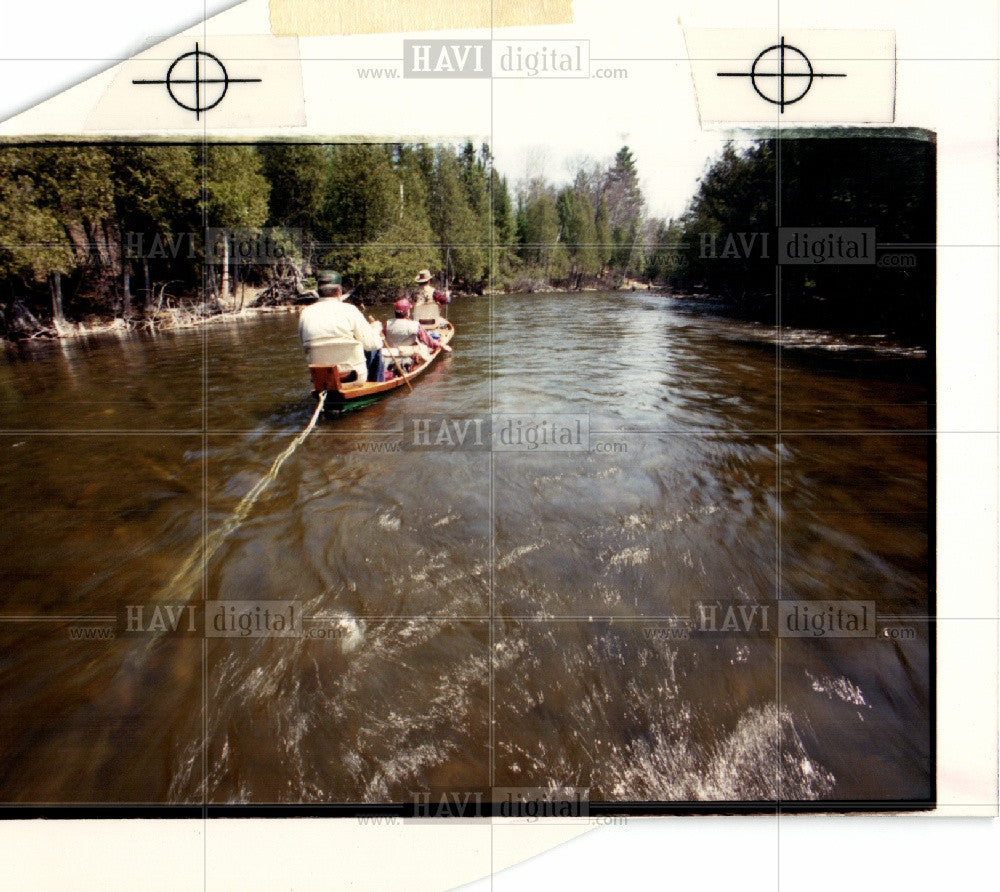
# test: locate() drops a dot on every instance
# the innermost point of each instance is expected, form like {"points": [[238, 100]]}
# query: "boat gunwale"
{"points": [[345, 394]]}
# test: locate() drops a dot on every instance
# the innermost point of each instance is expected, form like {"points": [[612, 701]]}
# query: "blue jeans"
{"points": [[376, 365]]}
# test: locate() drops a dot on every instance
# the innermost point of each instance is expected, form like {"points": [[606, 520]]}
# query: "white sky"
{"points": [[668, 179], [538, 126]]}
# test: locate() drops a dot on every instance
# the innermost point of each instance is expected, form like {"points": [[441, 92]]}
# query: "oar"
{"points": [[447, 263], [395, 361]]}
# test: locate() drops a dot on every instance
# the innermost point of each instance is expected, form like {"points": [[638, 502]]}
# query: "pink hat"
{"points": [[403, 305]]}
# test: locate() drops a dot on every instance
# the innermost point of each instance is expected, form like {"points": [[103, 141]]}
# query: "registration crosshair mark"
{"points": [[792, 63], [211, 80]]}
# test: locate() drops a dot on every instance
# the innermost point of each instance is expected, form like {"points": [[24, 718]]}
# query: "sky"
{"points": [[668, 179], [536, 126]]}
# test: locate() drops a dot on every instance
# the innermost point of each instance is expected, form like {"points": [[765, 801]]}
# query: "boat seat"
{"points": [[428, 315], [345, 355], [405, 351]]}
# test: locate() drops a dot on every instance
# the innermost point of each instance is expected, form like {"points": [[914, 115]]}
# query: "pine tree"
{"points": [[156, 189], [36, 245], [389, 263], [298, 176], [236, 196], [602, 229], [664, 259], [625, 206], [542, 247], [362, 194], [576, 217], [454, 220], [504, 225]]}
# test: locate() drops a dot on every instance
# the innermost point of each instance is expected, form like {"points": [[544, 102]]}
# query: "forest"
{"points": [[878, 181], [119, 231], [94, 232]]}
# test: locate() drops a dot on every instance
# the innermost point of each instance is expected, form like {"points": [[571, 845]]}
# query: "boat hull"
{"points": [[350, 396]]}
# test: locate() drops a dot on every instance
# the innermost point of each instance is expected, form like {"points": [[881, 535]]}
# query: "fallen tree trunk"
{"points": [[24, 325], [283, 292]]}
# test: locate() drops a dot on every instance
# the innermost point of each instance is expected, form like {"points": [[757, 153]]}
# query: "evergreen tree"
{"points": [[576, 216], [504, 225], [454, 220], [664, 258], [236, 197], [298, 175], [602, 229], [75, 184], [476, 180], [36, 244], [625, 206], [156, 189], [543, 248], [390, 261], [362, 194]]}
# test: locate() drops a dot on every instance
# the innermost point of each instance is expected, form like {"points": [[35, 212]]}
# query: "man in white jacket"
{"points": [[331, 321]]}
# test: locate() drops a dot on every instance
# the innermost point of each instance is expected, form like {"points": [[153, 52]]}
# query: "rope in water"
{"points": [[186, 575]]}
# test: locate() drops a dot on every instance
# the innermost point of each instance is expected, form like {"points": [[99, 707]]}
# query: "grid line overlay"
{"points": [[206, 431]]}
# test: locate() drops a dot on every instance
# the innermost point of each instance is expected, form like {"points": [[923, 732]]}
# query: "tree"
{"points": [[155, 191], [624, 201], [504, 224], [621, 191], [477, 189], [298, 175], [662, 262], [35, 245], [541, 235], [73, 186], [455, 222], [602, 230], [881, 182], [736, 194], [576, 217], [389, 262], [236, 196], [362, 194]]}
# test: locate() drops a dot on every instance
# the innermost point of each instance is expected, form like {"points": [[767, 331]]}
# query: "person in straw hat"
{"points": [[425, 293]]}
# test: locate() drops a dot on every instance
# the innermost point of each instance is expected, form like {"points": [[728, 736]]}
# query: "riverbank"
{"points": [[169, 320], [541, 286], [194, 315], [748, 326]]}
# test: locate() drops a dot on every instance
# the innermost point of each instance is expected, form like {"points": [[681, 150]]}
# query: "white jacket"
{"points": [[331, 321]]}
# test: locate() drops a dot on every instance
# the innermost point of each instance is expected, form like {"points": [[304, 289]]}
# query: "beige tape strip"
{"points": [[313, 18]]}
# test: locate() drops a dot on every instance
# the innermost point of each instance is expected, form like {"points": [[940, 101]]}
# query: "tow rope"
{"points": [[200, 556]]}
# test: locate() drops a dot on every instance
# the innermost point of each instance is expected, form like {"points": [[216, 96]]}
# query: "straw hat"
{"points": [[423, 276]]}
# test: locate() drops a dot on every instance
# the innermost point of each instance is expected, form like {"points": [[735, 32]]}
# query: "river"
{"points": [[504, 618]]}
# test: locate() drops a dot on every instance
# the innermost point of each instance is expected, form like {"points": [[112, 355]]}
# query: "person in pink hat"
{"points": [[407, 336]]}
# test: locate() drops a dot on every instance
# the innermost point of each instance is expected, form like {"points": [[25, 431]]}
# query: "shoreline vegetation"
{"points": [[193, 314], [131, 238]]}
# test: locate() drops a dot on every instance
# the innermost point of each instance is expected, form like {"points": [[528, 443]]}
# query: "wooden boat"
{"points": [[345, 396]]}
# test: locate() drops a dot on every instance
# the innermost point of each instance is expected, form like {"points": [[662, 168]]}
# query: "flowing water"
{"points": [[504, 617]]}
